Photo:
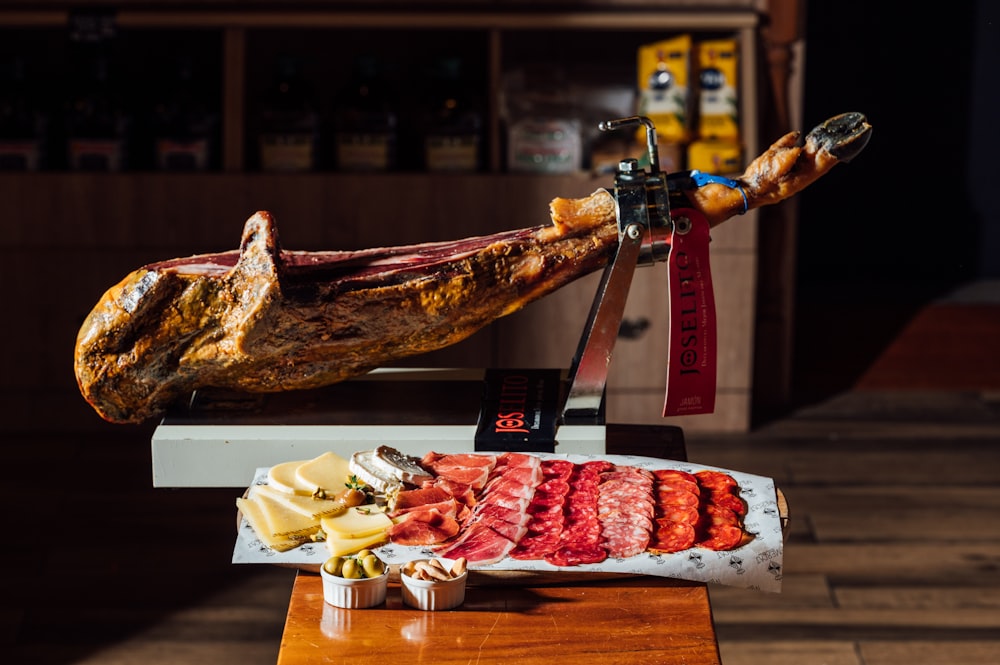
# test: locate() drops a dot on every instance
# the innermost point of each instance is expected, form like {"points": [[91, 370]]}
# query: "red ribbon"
{"points": [[691, 355]]}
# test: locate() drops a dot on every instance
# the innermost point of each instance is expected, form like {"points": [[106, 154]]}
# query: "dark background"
{"points": [[911, 219]]}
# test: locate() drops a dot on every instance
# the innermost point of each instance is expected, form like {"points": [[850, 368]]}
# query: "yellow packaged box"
{"points": [[664, 71], [718, 90], [715, 157]]}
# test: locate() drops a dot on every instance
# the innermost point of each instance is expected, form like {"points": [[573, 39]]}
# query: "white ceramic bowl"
{"points": [[354, 593], [434, 595]]}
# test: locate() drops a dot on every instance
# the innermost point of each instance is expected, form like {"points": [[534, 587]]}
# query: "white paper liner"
{"points": [[756, 565]]}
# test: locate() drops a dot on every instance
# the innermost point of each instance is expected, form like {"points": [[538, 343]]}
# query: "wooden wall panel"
{"points": [[645, 407]]}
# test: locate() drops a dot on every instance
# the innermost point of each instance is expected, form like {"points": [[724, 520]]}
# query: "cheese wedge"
{"points": [[282, 477], [363, 466], [357, 522], [258, 522], [328, 472], [345, 546], [282, 520], [304, 505], [404, 468]]}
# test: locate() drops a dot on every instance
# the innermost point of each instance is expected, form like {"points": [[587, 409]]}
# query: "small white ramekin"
{"points": [[434, 595], [354, 594]]}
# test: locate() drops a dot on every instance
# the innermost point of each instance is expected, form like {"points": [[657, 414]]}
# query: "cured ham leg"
{"points": [[265, 319]]}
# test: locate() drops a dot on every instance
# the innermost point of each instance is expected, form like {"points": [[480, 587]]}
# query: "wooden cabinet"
{"points": [[70, 236]]}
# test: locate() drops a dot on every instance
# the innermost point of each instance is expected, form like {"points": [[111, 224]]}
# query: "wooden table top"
{"points": [[621, 620], [639, 620]]}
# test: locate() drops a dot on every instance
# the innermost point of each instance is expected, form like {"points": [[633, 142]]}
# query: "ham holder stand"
{"points": [[221, 439]]}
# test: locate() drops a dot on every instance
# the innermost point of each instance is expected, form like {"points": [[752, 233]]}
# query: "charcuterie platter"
{"points": [[520, 515]]}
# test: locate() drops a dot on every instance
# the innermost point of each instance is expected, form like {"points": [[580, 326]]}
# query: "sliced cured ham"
{"points": [[435, 461], [448, 506], [463, 493], [716, 481], [545, 512], [536, 546], [721, 537], [478, 544], [514, 476], [625, 539], [678, 511], [407, 499], [512, 531], [729, 501], [580, 538], [674, 476], [519, 485], [684, 514], [677, 497], [474, 477], [518, 504], [500, 516], [702, 509], [674, 537], [577, 554], [625, 509], [720, 489], [512, 460], [565, 513], [424, 527], [714, 515], [674, 480], [494, 511], [557, 470], [468, 469]]}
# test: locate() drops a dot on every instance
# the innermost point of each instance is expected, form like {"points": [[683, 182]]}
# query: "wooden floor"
{"points": [[893, 555]]}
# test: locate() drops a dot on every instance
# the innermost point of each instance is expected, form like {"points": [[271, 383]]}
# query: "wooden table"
{"points": [[638, 620], [619, 620]]}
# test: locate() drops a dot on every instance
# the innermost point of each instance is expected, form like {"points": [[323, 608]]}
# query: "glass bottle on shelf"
{"points": [[97, 121], [289, 135], [452, 123], [366, 121], [23, 123], [184, 124]]}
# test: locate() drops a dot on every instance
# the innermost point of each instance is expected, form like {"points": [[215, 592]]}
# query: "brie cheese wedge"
{"points": [[363, 466], [404, 468]]}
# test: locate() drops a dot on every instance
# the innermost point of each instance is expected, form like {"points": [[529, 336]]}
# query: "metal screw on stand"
{"points": [[628, 166]]}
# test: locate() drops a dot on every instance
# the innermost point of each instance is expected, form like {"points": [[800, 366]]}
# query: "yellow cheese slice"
{"points": [[357, 522], [328, 472], [304, 505], [258, 522], [345, 546], [282, 477], [281, 520]]}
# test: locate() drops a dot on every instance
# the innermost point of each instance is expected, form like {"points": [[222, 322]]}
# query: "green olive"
{"points": [[333, 565], [372, 566], [362, 554], [352, 570]]}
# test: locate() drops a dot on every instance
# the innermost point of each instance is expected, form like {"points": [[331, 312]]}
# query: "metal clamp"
{"points": [[642, 208], [642, 198]]}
